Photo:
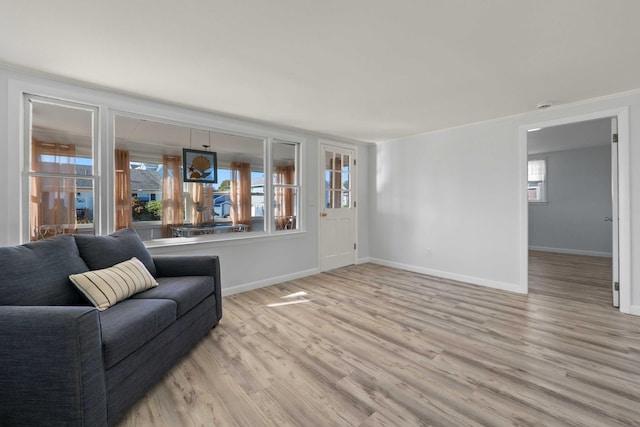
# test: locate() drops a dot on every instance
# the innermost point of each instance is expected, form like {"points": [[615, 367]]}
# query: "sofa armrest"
{"points": [[192, 265], [51, 368]]}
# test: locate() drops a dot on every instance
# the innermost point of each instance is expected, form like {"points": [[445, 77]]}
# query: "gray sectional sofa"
{"points": [[62, 361]]}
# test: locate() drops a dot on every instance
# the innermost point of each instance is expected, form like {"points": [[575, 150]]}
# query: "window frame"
{"points": [[26, 98], [269, 230], [542, 186], [296, 187]]}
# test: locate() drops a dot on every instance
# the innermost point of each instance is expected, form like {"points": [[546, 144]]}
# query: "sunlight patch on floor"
{"points": [[293, 295]]}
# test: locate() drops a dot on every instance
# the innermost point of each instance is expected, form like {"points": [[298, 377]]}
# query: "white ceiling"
{"points": [[366, 69], [592, 133]]}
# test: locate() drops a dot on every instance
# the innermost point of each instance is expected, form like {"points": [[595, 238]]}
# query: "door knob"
{"points": [[323, 214], [608, 219]]}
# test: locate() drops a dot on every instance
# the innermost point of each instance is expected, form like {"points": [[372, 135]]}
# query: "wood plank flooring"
{"points": [[368, 345]]}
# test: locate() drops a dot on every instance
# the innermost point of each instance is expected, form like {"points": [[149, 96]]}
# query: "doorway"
{"points": [[570, 208], [578, 168]]}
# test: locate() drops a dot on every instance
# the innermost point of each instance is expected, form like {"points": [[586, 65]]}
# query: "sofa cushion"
{"points": [[186, 291], [104, 288], [130, 324], [37, 273], [105, 251]]}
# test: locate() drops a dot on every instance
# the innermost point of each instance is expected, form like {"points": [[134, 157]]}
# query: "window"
{"points": [[286, 185], [537, 180], [146, 191], [338, 191], [258, 188], [156, 201], [222, 196], [60, 138]]}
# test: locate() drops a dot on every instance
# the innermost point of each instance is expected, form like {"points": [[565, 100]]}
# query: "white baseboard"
{"points": [[512, 287], [571, 251], [634, 309], [268, 282]]}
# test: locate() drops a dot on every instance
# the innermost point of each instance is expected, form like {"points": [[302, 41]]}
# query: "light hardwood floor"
{"points": [[369, 345]]}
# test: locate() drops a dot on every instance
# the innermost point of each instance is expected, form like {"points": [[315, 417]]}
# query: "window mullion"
{"points": [[268, 187]]}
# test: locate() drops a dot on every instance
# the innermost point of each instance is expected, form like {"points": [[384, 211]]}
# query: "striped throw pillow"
{"points": [[104, 288]]}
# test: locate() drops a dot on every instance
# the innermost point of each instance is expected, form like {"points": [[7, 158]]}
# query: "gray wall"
{"points": [[579, 197]]}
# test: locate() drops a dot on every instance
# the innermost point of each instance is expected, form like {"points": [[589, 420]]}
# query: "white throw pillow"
{"points": [[104, 288]]}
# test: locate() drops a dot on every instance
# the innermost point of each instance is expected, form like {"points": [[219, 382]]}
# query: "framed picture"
{"points": [[199, 166]]}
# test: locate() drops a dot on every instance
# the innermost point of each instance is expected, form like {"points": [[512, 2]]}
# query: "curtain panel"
{"points": [[207, 215], [202, 203], [123, 190], [172, 205], [284, 209], [241, 193], [52, 200]]}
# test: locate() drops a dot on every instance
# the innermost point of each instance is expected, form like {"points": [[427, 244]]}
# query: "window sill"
{"points": [[227, 239]]}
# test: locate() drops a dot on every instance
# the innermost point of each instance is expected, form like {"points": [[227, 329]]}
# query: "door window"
{"points": [[337, 175]]}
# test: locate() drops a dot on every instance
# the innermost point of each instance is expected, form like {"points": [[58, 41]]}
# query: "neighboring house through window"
{"points": [[146, 191]]}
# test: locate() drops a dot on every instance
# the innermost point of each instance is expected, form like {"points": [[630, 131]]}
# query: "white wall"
{"points": [[578, 199], [450, 203], [247, 262], [446, 203]]}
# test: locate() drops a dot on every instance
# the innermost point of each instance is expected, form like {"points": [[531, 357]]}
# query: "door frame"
{"points": [[320, 192], [624, 197]]}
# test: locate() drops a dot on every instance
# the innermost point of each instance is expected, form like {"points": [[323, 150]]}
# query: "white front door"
{"points": [[337, 207]]}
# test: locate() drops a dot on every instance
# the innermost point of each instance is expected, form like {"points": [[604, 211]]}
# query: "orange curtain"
{"points": [[207, 190], [241, 193], [172, 206], [284, 210], [198, 203], [52, 207], [123, 190], [202, 198]]}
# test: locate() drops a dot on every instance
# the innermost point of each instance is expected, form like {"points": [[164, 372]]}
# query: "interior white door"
{"points": [[615, 281], [337, 213]]}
